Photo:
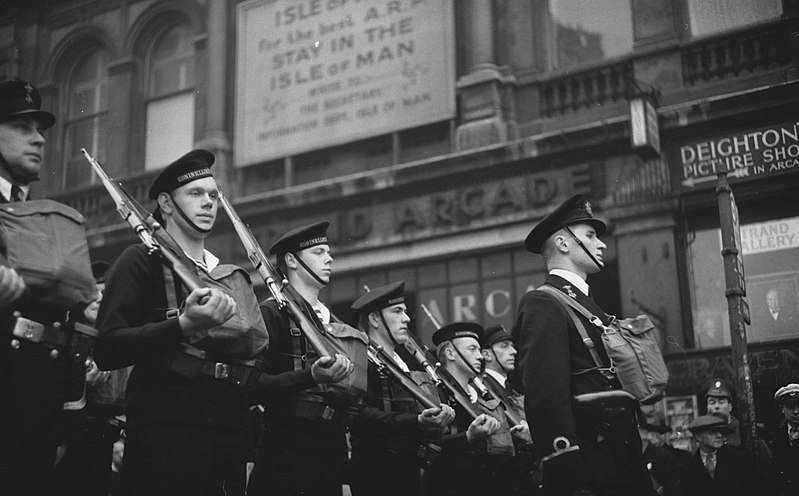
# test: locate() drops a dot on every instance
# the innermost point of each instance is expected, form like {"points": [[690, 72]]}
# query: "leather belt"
{"points": [[75, 338], [192, 362], [312, 407]]}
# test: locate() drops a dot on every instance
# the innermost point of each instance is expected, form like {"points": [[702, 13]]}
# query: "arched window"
{"points": [[170, 97], [85, 127]]}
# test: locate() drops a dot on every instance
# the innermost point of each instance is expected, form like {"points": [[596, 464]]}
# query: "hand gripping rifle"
{"points": [[287, 298], [385, 363], [439, 374], [152, 235]]}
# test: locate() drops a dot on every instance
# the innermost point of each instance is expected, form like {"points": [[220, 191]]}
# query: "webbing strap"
{"points": [[571, 306], [173, 308]]}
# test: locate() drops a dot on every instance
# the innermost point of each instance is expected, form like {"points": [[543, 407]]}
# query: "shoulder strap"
{"points": [[571, 306], [171, 289]]}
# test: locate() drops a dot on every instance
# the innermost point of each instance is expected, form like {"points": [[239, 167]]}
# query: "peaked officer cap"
{"points": [[190, 167], [301, 238], [709, 422], [380, 298], [575, 210], [458, 330], [718, 389], [21, 100], [787, 393], [493, 335]]}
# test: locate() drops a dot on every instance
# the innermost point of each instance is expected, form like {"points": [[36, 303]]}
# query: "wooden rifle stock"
{"points": [[383, 362], [151, 233], [286, 297]]}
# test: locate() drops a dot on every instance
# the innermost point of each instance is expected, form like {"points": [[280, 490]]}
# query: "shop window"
{"points": [[170, 91], [712, 16], [587, 32], [86, 113], [771, 266]]}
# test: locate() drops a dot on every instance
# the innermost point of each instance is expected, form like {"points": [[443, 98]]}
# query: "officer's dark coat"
{"points": [[35, 386], [665, 469], [784, 471], [550, 352]]}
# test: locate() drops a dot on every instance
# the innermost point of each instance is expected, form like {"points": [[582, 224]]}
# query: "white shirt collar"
{"points": [[5, 189], [209, 261], [496, 375], [573, 278]]}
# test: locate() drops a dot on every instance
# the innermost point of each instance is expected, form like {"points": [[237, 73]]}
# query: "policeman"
{"points": [[34, 375], [187, 413], [588, 442], [784, 472], [476, 444], [391, 431], [719, 402], [303, 447]]}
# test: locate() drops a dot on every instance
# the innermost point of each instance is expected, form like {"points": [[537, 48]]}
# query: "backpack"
{"points": [[244, 335], [631, 345], [45, 242]]}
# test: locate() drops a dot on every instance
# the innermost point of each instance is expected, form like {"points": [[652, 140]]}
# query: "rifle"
{"points": [[440, 375], [385, 363], [287, 298], [152, 235], [487, 389]]}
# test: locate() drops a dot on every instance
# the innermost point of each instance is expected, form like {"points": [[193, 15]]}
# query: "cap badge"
{"points": [[28, 93], [717, 384], [587, 208]]}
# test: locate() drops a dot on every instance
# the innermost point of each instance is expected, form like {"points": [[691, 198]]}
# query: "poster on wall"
{"points": [[317, 73]]}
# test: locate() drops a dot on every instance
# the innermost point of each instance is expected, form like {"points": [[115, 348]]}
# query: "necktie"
{"points": [[710, 464], [17, 195], [793, 434]]}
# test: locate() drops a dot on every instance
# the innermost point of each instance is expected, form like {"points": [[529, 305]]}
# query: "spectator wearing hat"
{"points": [[463, 467], [719, 402], [717, 469], [392, 430], [784, 471], [663, 466], [187, 427], [303, 448], [582, 451], [36, 383]]}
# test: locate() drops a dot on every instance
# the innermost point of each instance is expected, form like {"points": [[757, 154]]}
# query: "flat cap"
{"points": [[382, 297], [709, 422], [301, 238], [718, 389], [787, 393], [190, 167], [21, 100], [458, 330], [575, 210], [493, 335]]}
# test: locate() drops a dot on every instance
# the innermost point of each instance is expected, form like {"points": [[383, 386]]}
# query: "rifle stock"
{"points": [[383, 362], [286, 297], [152, 235], [488, 391]]}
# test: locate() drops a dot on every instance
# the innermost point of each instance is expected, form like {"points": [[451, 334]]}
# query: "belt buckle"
{"points": [[221, 370], [28, 329], [328, 413]]}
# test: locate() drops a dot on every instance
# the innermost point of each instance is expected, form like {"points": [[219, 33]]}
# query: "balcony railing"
{"points": [[586, 89], [737, 53]]}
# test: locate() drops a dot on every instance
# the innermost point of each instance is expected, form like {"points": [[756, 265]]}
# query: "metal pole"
{"points": [[738, 313]]}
